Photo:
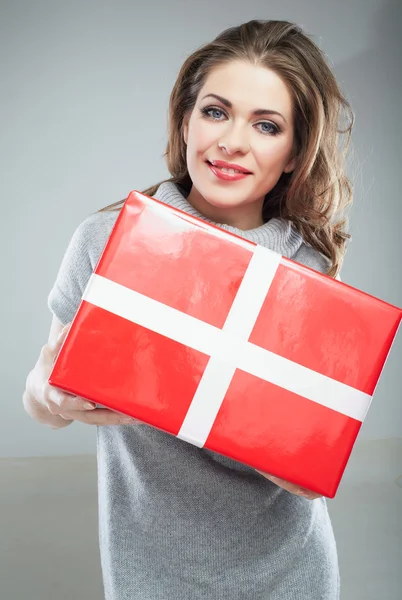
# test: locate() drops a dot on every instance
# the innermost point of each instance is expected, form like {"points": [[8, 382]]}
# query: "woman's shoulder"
{"points": [[78, 263], [310, 257], [93, 232]]}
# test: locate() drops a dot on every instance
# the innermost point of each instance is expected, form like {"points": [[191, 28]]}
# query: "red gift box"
{"points": [[227, 345]]}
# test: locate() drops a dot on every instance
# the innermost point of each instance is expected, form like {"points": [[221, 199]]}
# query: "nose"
{"points": [[234, 140]]}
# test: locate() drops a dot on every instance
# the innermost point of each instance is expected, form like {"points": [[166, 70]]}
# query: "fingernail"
{"points": [[305, 494], [88, 405], [128, 419]]}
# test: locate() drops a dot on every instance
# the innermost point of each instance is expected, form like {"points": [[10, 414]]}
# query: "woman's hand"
{"points": [[291, 487], [49, 404]]}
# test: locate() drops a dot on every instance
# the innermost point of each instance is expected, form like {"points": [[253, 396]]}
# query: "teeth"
{"points": [[226, 170]]}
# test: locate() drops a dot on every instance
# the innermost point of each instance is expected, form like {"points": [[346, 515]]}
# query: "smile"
{"points": [[227, 174]]}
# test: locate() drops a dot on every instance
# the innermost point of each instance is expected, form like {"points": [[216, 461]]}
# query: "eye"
{"points": [[209, 109], [273, 131]]}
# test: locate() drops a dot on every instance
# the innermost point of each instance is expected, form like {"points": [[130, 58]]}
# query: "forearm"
{"points": [[41, 414]]}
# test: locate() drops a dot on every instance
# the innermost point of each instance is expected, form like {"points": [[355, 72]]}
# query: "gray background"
{"points": [[85, 122], [85, 90]]}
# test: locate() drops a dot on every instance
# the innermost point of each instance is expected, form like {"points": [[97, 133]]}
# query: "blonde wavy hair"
{"points": [[317, 193]]}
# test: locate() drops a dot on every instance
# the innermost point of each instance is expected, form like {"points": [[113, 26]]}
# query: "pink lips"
{"points": [[226, 176], [223, 163]]}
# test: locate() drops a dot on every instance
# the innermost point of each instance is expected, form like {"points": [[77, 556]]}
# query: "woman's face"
{"points": [[229, 129]]}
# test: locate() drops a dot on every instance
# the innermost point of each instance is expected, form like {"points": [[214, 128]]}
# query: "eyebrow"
{"points": [[257, 112]]}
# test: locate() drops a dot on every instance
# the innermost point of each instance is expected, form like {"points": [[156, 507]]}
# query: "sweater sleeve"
{"points": [[78, 264]]}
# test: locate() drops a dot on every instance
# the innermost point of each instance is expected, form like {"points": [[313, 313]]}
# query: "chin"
{"points": [[221, 202], [220, 197]]}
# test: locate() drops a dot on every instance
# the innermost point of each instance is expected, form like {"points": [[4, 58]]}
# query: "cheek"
{"points": [[270, 156], [201, 137]]}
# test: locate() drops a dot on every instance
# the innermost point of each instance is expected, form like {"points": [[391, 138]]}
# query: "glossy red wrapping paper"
{"points": [[289, 399]]}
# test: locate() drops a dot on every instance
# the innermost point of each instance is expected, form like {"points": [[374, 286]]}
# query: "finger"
{"points": [[58, 400], [76, 403], [286, 485], [55, 347], [61, 401], [99, 416], [290, 487], [305, 493]]}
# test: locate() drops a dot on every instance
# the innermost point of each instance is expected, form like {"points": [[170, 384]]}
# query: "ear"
{"points": [[291, 165], [185, 129]]}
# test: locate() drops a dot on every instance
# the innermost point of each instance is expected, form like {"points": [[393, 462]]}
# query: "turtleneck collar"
{"points": [[277, 234]]}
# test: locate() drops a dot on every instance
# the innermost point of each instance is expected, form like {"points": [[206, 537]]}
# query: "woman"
{"points": [[177, 521]]}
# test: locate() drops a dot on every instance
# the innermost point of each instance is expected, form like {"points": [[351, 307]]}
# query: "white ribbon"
{"points": [[228, 348]]}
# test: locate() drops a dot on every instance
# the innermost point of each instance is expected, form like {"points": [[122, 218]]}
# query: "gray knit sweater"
{"points": [[178, 522]]}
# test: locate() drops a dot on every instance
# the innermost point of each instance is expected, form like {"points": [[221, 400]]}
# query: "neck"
{"points": [[277, 234], [245, 217]]}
